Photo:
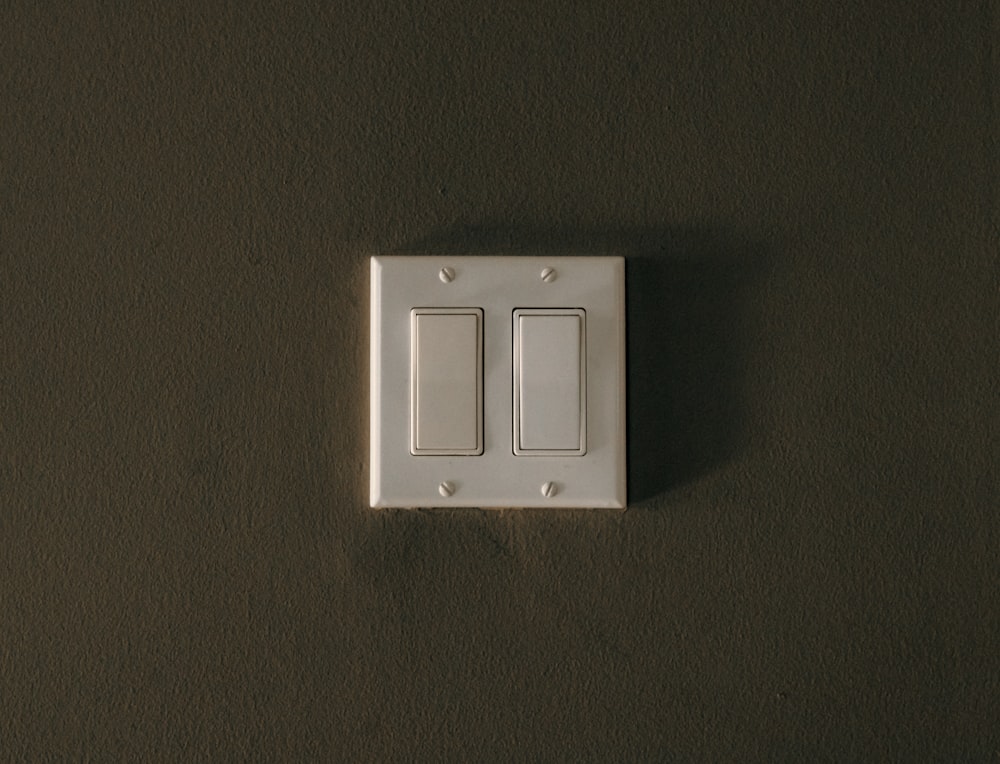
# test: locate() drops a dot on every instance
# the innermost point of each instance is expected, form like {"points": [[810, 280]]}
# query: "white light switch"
{"points": [[446, 381], [550, 368], [497, 381]]}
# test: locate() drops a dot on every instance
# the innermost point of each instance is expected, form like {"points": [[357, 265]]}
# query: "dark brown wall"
{"points": [[807, 201]]}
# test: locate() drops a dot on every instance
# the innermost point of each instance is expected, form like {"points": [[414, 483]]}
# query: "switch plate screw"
{"points": [[447, 275], [549, 275], [446, 488], [549, 490]]}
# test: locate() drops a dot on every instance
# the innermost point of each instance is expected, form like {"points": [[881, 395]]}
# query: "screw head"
{"points": [[549, 275], [447, 275], [549, 489], [446, 488]]}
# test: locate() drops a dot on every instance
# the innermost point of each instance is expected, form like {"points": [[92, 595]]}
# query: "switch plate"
{"points": [[592, 288]]}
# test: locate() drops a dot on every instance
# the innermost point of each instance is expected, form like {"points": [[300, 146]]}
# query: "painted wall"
{"points": [[189, 193]]}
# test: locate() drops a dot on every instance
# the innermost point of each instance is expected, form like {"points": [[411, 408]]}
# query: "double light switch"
{"points": [[497, 382], [549, 378]]}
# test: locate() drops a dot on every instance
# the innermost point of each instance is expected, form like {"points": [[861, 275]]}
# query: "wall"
{"points": [[807, 200]]}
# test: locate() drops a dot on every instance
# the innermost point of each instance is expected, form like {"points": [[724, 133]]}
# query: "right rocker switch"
{"points": [[550, 382]]}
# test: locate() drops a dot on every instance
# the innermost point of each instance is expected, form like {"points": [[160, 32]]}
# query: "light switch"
{"points": [[497, 381], [446, 381], [550, 382]]}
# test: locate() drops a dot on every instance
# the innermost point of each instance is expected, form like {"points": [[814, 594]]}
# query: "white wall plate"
{"points": [[497, 382]]}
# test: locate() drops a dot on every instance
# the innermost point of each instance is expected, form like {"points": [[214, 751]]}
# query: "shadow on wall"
{"points": [[686, 291]]}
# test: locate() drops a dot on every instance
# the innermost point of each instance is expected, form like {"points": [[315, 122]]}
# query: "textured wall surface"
{"points": [[808, 569]]}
